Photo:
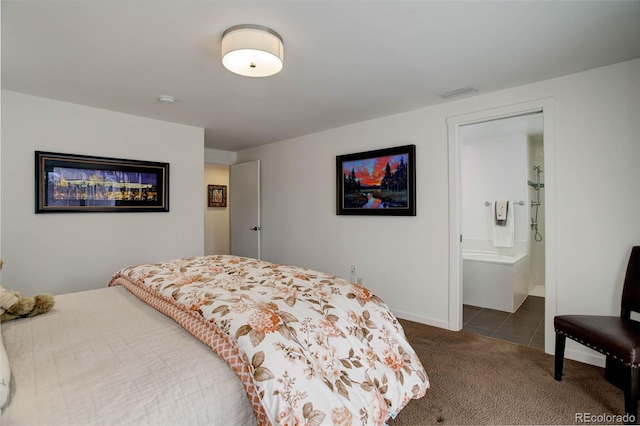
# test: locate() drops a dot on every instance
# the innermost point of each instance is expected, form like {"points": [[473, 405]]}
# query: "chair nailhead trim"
{"points": [[628, 364]]}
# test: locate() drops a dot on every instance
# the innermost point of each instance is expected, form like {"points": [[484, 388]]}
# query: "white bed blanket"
{"points": [[104, 357]]}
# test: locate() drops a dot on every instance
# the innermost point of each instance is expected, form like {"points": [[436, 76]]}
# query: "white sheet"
{"points": [[104, 357]]}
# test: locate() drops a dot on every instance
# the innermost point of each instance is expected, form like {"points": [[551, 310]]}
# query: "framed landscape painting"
{"points": [[380, 182], [82, 183]]}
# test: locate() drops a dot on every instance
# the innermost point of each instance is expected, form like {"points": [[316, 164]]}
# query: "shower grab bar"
{"points": [[520, 203]]}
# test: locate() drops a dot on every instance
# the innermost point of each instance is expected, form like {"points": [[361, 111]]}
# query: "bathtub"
{"points": [[495, 280]]}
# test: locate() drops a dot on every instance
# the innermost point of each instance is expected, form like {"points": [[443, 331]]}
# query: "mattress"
{"points": [[104, 357]]}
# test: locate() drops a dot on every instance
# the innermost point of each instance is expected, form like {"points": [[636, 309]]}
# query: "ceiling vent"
{"points": [[458, 92]]}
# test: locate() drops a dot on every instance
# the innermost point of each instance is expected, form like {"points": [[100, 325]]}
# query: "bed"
{"points": [[212, 340]]}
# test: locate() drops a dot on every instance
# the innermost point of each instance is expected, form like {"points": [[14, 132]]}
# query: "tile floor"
{"points": [[525, 326]]}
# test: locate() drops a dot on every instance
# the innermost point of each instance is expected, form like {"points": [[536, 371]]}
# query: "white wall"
{"points": [[66, 252], [0, 143], [216, 219], [493, 169], [217, 156], [405, 259]]}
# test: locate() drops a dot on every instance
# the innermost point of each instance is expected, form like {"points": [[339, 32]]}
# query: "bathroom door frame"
{"points": [[546, 107]]}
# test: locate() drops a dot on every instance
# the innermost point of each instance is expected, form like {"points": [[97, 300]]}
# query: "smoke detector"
{"points": [[166, 99]]}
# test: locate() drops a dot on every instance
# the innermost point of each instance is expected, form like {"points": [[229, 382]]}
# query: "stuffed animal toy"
{"points": [[13, 306]]}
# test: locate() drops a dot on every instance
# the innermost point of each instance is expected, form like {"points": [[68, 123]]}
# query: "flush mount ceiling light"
{"points": [[252, 51]]}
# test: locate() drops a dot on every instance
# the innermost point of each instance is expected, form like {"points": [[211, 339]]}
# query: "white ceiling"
{"points": [[345, 61]]}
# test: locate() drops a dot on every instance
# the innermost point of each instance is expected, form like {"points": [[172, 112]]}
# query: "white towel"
{"points": [[503, 236]]}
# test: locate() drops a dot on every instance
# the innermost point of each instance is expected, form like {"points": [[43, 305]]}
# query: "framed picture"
{"points": [[217, 196], [380, 182], [82, 183]]}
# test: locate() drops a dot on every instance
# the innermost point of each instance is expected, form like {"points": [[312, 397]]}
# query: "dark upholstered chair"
{"points": [[616, 337]]}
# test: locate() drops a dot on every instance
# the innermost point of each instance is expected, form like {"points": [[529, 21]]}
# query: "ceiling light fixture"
{"points": [[252, 51]]}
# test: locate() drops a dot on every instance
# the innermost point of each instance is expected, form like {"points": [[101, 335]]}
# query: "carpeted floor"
{"points": [[479, 380]]}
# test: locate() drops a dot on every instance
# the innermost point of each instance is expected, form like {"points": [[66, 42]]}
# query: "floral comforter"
{"points": [[310, 348]]}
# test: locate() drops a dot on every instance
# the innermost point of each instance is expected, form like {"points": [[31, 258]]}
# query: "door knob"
{"points": [[255, 228]]}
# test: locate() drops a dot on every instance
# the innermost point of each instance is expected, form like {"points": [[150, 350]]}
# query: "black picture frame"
{"points": [[217, 196], [68, 183], [381, 182]]}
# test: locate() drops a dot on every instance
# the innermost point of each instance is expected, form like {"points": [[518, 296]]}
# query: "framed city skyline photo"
{"points": [[380, 182], [217, 196], [81, 183]]}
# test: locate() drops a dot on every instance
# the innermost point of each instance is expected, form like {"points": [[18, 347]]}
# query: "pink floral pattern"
{"points": [[321, 350]]}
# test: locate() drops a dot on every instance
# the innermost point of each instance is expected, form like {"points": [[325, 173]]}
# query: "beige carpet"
{"points": [[480, 380]]}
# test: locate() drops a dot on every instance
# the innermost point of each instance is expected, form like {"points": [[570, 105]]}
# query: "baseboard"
{"points": [[421, 319], [590, 357], [577, 352]]}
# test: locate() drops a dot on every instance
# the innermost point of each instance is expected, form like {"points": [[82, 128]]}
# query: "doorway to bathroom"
{"points": [[500, 281], [502, 209]]}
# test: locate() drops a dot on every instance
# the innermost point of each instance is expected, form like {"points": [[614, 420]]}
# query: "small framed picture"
{"points": [[217, 196]]}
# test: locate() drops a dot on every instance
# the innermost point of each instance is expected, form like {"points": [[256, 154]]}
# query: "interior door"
{"points": [[244, 209]]}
